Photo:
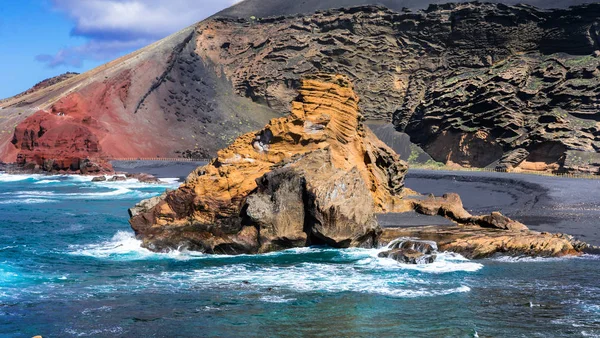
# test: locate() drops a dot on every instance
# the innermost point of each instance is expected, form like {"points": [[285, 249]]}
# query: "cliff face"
{"points": [[468, 82], [316, 176], [473, 84]]}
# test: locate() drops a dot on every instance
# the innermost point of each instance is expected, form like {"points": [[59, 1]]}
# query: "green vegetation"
{"points": [[580, 61]]}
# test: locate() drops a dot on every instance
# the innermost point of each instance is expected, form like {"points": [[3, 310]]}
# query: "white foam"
{"points": [[446, 262], [124, 246], [17, 178], [511, 259], [276, 299], [349, 270], [28, 201], [47, 181], [317, 277], [115, 192]]}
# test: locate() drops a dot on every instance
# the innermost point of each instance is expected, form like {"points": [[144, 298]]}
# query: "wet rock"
{"points": [[144, 178], [117, 178], [99, 179], [476, 242], [425, 247], [408, 256]]}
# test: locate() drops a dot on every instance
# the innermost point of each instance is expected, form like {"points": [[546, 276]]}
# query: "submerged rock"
{"points": [[411, 251], [145, 178], [408, 256], [315, 177]]}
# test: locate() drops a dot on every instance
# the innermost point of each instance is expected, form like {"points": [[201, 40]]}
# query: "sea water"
{"points": [[71, 267]]}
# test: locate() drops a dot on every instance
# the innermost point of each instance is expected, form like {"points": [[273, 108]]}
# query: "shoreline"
{"points": [[542, 202]]}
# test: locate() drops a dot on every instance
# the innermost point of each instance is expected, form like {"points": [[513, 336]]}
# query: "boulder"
{"points": [[314, 177], [512, 159], [117, 178], [408, 256], [144, 178], [99, 179]]}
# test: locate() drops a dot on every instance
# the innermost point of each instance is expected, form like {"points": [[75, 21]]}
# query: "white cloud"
{"points": [[115, 26]]}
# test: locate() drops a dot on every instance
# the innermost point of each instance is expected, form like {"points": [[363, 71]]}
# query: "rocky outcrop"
{"points": [[470, 83], [319, 176], [477, 236], [409, 251], [315, 177], [451, 207], [55, 142], [475, 242]]}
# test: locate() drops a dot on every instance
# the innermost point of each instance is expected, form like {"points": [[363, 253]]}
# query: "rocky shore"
{"points": [[319, 176]]}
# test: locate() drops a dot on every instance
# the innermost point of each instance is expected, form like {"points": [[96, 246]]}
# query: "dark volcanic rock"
{"points": [[408, 256], [468, 82]]}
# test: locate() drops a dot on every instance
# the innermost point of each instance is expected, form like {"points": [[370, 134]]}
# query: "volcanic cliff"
{"points": [[317, 176], [473, 84]]}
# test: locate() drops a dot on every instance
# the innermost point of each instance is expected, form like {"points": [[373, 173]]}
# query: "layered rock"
{"points": [[314, 177], [476, 242], [481, 236], [468, 82], [319, 176]]}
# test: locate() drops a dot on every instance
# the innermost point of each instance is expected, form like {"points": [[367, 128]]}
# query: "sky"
{"points": [[44, 38]]}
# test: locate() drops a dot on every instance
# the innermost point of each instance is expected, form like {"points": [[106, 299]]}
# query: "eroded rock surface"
{"points": [[410, 251], [319, 176], [314, 177], [475, 242], [470, 83]]}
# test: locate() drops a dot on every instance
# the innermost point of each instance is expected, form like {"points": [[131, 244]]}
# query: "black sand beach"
{"points": [[543, 203]]}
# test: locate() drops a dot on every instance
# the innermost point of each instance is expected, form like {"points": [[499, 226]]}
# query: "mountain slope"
{"points": [[157, 101], [473, 84], [268, 8]]}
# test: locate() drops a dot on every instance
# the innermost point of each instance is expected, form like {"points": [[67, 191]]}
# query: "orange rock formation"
{"points": [[325, 117]]}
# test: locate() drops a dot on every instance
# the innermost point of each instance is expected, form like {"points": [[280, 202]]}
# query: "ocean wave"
{"points": [[28, 201], [115, 192], [17, 178], [47, 181], [525, 259], [344, 270], [316, 277], [276, 299], [123, 246], [135, 184]]}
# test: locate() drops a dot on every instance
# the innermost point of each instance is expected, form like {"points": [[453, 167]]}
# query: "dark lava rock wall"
{"points": [[468, 82]]}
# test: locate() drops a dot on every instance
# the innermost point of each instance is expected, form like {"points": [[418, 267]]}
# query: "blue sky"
{"points": [[43, 38]]}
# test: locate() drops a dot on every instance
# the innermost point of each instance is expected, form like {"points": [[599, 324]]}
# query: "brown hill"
{"points": [[473, 84]]}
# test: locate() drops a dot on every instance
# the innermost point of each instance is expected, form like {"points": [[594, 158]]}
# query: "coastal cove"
{"points": [[70, 266]]}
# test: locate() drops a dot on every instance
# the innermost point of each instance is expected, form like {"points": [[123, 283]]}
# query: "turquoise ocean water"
{"points": [[71, 267]]}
